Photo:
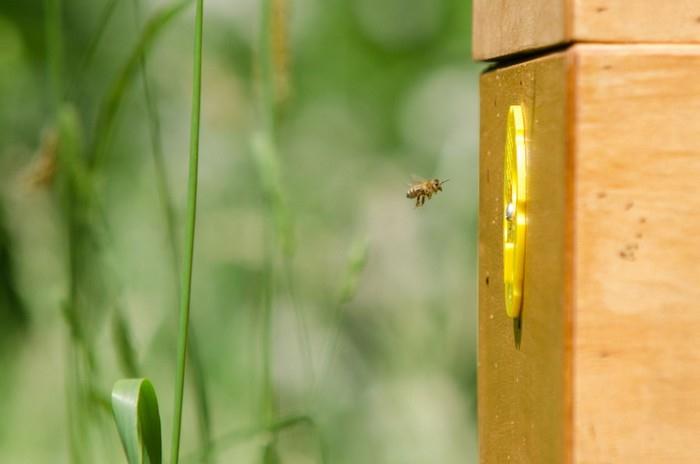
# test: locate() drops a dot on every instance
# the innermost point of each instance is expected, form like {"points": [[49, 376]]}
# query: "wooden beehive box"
{"points": [[604, 366]]}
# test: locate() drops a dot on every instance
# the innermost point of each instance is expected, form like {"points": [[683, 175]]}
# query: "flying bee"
{"points": [[425, 189]]}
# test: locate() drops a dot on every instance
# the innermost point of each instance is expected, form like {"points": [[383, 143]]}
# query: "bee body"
{"points": [[425, 189]]}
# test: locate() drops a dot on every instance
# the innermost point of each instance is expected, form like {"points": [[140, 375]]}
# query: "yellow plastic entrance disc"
{"points": [[514, 219]]}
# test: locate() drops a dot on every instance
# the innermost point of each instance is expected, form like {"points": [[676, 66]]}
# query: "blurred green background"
{"points": [[372, 301]]}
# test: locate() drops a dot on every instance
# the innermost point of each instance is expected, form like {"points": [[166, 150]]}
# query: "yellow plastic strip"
{"points": [[514, 212]]}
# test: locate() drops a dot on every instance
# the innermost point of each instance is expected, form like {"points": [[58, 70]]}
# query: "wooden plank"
{"points": [[523, 390], [506, 27], [637, 254], [636, 21]]}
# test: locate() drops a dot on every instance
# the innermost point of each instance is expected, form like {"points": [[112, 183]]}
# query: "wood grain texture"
{"points": [[523, 391], [637, 254], [504, 27], [507, 27], [635, 21]]}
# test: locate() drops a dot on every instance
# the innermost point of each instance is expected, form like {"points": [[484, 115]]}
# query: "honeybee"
{"points": [[425, 189]]}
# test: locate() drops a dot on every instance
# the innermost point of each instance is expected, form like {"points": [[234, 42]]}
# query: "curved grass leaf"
{"points": [[135, 408]]}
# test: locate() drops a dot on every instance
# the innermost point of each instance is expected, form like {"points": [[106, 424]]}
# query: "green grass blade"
{"points": [[199, 384], [196, 370], [270, 454], [105, 17], [135, 409], [265, 156], [73, 186], [267, 71], [71, 169], [357, 260], [13, 311], [242, 435], [269, 170], [157, 148], [112, 101], [126, 354], [186, 286]]}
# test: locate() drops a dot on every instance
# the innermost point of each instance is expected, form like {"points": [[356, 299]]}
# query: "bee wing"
{"points": [[416, 180]]}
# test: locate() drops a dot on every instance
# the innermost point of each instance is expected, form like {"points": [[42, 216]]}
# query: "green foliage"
{"points": [[357, 260], [270, 174], [54, 42], [115, 95], [126, 354], [73, 173], [135, 409], [105, 17], [270, 454], [274, 431], [13, 311]]}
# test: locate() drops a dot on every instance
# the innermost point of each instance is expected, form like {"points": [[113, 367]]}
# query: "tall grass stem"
{"points": [[189, 232], [164, 195]]}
